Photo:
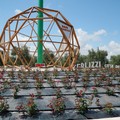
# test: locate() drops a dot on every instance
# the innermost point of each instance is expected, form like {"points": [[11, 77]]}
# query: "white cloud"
{"points": [[17, 11], [84, 50], [114, 45], [84, 37], [21, 38], [113, 48], [99, 32], [104, 48], [49, 46]]}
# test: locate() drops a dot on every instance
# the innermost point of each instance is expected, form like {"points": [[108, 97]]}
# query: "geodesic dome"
{"points": [[58, 37]]}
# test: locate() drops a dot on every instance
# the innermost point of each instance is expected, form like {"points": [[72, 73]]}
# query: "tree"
{"points": [[22, 54], [82, 58], [25, 53], [91, 55], [47, 56], [14, 55], [115, 60], [99, 55]]}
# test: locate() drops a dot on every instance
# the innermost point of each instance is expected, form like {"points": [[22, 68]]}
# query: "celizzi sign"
{"points": [[95, 64]]}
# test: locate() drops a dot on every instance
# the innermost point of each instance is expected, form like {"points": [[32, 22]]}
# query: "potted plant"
{"points": [[11, 74], [16, 89], [51, 82], [81, 105], [79, 93], [4, 106], [39, 94], [58, 93], [55, 73], [38, 83], [98, 103], [97, 82], [24, 82], [103, 77], [95, 91], [94, 73], [57, 105], [108, 108], [76, 76], [90, 99], [108, 81], [21, 108], [45, 74], [31, 107], [86, 75], [110, 91], [1, 74], [2, 89], [67, 82], [85, 82], [6, 83]]}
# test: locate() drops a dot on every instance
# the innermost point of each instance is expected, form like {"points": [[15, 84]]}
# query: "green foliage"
{"points": [[81, 105], [57, 105], [115, 60], [24, 54], [47, 56], [4, 106], [99, 55], [108, 108], [82, 58]]}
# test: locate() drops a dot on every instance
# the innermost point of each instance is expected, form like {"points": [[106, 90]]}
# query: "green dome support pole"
{"points": [[40, 34]]}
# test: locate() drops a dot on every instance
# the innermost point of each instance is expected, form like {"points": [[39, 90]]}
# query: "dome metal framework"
{"points": [[58, 36]]}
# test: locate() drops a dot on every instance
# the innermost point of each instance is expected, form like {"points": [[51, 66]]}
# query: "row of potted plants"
{"points": [[57, 105]]}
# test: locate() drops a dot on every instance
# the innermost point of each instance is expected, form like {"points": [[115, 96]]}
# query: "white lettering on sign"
{"points": [[93, 64], [96, 64], [109, 66]]}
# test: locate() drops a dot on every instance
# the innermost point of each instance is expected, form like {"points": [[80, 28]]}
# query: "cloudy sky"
{"points": [[97, 22]]}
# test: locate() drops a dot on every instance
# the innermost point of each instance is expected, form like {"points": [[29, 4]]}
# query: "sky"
{"points": [[96, 22]]}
